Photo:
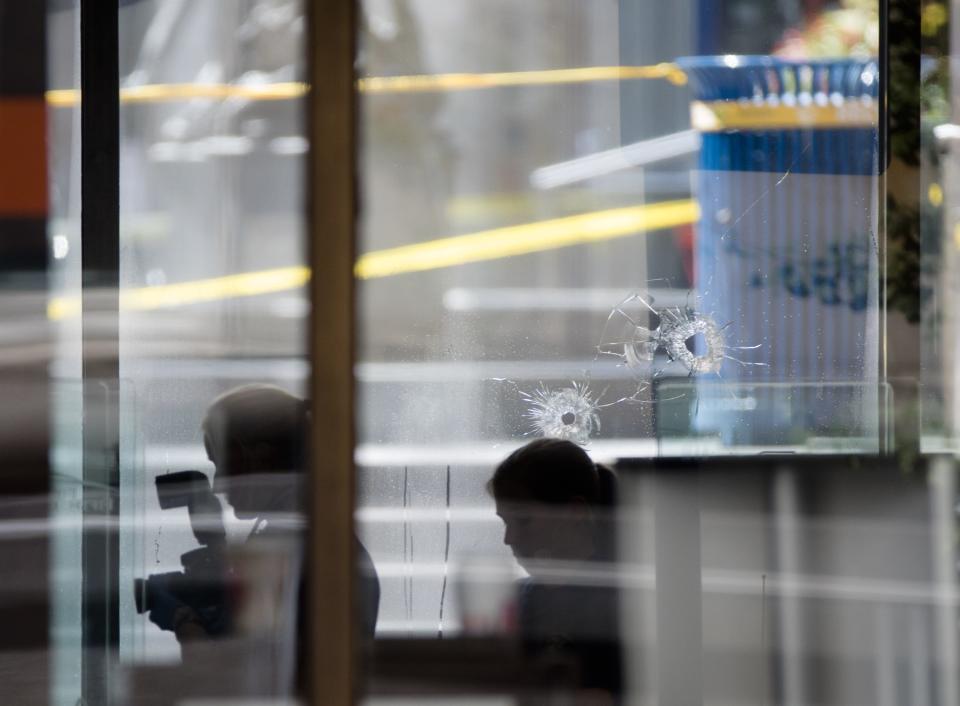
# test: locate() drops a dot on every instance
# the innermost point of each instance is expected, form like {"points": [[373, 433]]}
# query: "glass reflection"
{"points": [[236, 606]]}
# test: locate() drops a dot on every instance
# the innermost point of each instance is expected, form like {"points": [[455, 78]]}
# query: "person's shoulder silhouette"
{"points": [[258, 438], [558, 508]]}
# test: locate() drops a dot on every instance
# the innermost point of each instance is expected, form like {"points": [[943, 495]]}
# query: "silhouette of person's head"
{"points": [[255, 434], [555, 503]]}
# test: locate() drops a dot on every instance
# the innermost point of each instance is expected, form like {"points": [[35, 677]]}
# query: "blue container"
{"points": [[787, 249]]}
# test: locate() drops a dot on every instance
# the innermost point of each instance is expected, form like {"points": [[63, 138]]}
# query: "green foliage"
{"points": [[904, 83], [852, 29], [903, 259]]}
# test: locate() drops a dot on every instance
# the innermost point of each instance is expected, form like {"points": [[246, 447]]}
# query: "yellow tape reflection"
{"points": [[433, 83], [164, 296], [170, 92], [524, 239], [445, 252], [466, 82]]}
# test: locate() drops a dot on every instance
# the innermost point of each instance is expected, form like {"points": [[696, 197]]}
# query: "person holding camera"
{"points": [[258, 438]]}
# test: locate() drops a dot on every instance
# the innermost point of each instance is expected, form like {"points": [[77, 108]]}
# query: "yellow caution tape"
{"points": [[527, 238], [164, 296], [467, 81], [427, 83], [716, 116], [445, 252]]}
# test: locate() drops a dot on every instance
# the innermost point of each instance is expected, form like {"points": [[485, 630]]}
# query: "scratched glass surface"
{"points": [[679, 258]]}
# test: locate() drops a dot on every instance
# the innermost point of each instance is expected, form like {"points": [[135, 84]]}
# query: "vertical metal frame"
{"points": [[331, 194], [100, 264]]}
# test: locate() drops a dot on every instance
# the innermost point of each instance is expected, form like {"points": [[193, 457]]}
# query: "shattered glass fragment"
{"points": [[636, 330], [631, 333], [569, 413], [682, 330]]}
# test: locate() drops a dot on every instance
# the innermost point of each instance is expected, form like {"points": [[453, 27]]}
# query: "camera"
{"points": [[202, 586]]}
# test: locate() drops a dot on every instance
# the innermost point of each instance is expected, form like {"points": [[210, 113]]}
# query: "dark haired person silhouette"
{"points": [[558, 507]]}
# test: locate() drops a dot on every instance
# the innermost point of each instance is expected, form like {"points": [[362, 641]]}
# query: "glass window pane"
{"points": [[210, 415], [656, 232], [212, 265]]}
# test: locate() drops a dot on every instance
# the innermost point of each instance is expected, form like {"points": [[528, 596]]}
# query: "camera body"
{"points": [[202, 585]]}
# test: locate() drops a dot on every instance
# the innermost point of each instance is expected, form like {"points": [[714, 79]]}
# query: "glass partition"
{"points": [[929, 157], [212, 244], [211, 308], [608, 232], [643, 231]]}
